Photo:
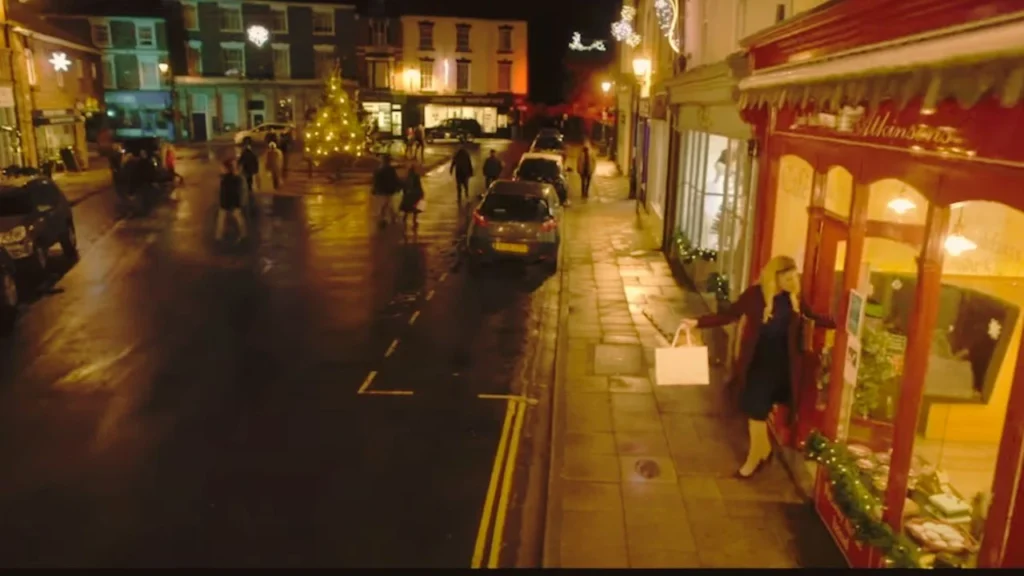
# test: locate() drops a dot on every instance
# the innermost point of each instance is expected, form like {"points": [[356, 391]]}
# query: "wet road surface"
{"points": [[173, 402]]}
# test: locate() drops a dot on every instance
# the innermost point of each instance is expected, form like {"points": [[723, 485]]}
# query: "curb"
{"points": [[551, 555]]}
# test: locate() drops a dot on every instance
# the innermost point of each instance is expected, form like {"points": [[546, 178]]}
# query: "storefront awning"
{"points": [[962, 65]]}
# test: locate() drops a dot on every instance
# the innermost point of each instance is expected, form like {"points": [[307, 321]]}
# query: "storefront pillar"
{"points": [[923, 316]]}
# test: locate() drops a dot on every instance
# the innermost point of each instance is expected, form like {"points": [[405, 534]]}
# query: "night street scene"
{"points": [[596, 284]]}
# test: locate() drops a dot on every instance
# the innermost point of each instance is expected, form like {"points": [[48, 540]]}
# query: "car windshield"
{"points": [[538, 169], [15, 204], [547, 143], [515, 208]]}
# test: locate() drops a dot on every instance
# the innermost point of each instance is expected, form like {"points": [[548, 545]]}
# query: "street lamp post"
{"points": [[606, 86], [165, 71], [641, 68]]}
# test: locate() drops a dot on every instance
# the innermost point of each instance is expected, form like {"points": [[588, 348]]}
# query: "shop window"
{"points": [[279, 20], [229, 106], [789, 230], [282, 62], [504, 76], [462, 37], [971, 365], [462, 76], [190, 16], [839, 191], [427, 74], [323, 21], [230, 18], [426, 35], [895, 202]]}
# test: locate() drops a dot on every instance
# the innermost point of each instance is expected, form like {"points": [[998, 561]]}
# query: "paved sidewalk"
{"points": [[642, 476]]}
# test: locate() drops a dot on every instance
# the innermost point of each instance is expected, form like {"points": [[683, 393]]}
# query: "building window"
{"points": [[282, 61], [323, 60], [279, 20], [462, 76], [231, 18], [426, 35], [233, 59], [149, 74], [146, 35], [504, 76], [462, 37], [323, 22], [190, 16], [780, 12], [427, 74], [504, 39], [109, 73], [30, 67], [379, 32], [194, 58], [94, 71], [379, 74], [714, 207], [101, 35], [60, 79]]}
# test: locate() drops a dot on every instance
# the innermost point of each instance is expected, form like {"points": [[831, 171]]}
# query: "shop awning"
{"points": [[962, 65]]}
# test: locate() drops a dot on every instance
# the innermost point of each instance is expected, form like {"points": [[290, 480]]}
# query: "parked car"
{"points": [[548, 144], [461, 129], [35, 215], [550, 133], [516, 220], [546, 168], [8, 292], [263, 133]]}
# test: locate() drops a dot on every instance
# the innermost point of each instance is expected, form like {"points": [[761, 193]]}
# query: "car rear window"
{"points": [[548, 143], [515, 208], [15, 204], [533, 169]]}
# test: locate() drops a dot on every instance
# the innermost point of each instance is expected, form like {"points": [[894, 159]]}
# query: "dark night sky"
{"points": [[551, 24]]}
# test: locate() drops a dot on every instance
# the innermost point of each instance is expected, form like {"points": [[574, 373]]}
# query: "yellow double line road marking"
{"points": [[499, 490]]}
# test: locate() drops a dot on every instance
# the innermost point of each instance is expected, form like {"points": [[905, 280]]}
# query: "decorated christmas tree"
{"points": [[335, 138]]}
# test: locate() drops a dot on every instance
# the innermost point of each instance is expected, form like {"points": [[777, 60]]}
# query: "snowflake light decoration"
{"points": [[60, 62], [897, 285], [623, 31], [258, 35], [667, 12], [995, 329]]}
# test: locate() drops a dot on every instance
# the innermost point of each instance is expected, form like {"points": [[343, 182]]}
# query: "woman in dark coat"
{"points": [[767, 369], [412, 194]]}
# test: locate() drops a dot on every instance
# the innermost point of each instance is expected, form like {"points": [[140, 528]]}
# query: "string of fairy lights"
{"points": [[333, 132], [667, 14]]}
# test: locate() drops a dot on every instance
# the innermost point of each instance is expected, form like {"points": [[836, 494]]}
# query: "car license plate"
{"points": [[513, 248]]}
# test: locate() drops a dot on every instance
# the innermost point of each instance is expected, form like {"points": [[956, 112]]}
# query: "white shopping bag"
{"points": [[685, 365]]}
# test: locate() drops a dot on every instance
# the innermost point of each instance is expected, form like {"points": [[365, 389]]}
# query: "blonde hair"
{"points": [[770, 285]]}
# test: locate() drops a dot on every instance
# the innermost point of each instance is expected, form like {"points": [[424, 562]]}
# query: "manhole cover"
{"points": [[647, 468]]}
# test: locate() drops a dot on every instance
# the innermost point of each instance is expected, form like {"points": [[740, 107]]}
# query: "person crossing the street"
{"points": [[462, 168], [386, 184], [492, 169], [274, 164]]}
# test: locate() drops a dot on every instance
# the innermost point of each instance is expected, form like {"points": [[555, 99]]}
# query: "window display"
{"points": [[714, 210]]}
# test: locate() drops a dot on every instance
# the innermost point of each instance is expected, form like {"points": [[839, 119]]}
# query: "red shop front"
{"points": [[894, 172]]}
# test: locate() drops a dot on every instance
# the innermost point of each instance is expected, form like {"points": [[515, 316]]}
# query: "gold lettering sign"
{"points": [[881, 126]]}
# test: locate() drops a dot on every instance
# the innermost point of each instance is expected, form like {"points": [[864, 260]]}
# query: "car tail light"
{"points": [[479, 219], [549, 225]]}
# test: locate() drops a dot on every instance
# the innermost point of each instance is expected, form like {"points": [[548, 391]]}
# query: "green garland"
{"points": [[688, 252], [860, 506], [718, 284]]}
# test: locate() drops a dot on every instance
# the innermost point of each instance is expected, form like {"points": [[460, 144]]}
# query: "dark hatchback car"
{"points": [[35, 215], [548, 144], [461, 129], [516, 220], [544, 168]]}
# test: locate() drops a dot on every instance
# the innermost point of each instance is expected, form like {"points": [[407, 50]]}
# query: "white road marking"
{"points": [[510, 397], [367, 382], [389, 393], [430, 296], [415, 315], [391, 349]]}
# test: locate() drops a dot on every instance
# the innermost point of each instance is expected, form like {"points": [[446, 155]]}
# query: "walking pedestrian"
{"points": [[410, 142], [492, 169], [421, 141], [230, 201], [274, 163], [769, 359], [171, 164], [285, 145], [386, 184], [249, 164], [462, 168], [413, 200], [585, 166]]}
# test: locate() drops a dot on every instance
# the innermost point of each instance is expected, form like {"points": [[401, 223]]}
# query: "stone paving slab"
{"points": [[642, 476]]}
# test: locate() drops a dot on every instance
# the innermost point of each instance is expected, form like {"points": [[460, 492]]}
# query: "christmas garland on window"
{"points": [[860, 506], [688, 252]]}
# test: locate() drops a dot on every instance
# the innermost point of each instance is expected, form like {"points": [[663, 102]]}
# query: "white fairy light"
{"points": [[622, 29], [258, 35], [578, 45]]}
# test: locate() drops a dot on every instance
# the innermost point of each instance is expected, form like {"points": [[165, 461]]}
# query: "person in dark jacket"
{"points": [[230, 200], [412, 196], [492, 169], [249, 163], [768, 365], [585, 167], [285, 145], [462, 168], [386, 184]]}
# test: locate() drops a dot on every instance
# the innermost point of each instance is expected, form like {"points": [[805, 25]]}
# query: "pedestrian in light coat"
{"points": [[274, 164]]}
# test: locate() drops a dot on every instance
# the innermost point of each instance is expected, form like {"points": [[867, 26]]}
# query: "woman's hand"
{"points": [[688, 324]]}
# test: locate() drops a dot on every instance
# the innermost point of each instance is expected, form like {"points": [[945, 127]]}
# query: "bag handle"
{"points": [[689, 335]]}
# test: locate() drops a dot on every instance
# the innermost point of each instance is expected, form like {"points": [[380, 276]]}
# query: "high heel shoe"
{"points": [[757, 468]]}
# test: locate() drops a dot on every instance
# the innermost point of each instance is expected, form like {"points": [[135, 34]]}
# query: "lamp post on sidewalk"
{"points": [[641, 68], [165, 71], [606, 86]]}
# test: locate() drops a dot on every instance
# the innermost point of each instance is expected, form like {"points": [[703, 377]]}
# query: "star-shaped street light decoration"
{"points": [[60, 62], [258, 35]]}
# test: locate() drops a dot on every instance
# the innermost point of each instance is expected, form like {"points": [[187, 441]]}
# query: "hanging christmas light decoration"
{"points": [[622, 30], [578, 45], [667, 12]]}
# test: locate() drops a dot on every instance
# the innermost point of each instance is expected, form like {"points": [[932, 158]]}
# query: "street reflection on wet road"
{"points": [[180, 402]]}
